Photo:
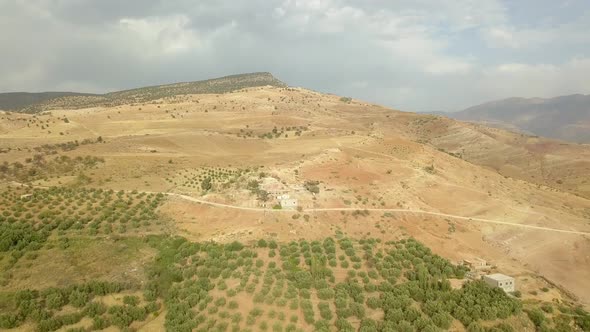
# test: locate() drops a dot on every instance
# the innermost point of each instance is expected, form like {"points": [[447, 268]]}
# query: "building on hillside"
{"points": [[274, 187], [476, 263], [501, 281], [289, 203]]}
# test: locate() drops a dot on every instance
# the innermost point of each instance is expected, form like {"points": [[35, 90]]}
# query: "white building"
{"points": [[289, 203], [500, 280]]}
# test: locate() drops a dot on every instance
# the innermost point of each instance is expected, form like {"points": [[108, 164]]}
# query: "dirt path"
{"points": [[490, 221], [193, 199], [85, 127]]}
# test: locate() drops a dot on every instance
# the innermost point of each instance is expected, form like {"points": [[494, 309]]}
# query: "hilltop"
{"points": [[565, 117], [34, 103], [189, 191]]}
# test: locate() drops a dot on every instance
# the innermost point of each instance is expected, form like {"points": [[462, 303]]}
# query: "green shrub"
{"points": [[325, 294], [94, 309], [131, 300], [536, 316], [374, 303], [325, 311], [277, 327], [547, 307]]}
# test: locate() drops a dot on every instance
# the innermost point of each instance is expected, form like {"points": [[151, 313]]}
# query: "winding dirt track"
{"points": [[221, 205]]}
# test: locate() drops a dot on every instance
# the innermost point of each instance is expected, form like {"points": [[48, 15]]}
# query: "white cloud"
{"points": [[166, 35], [468, 14], [500, 37], [542, 35], [426, 55], [406, 37], [511, 37], [532, 80]]}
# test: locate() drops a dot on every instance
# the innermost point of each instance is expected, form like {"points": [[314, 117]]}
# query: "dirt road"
{"points": [[418, 212]]}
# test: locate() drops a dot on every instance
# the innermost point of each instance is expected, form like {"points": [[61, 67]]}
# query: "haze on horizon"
{"points": [[412, 55]]}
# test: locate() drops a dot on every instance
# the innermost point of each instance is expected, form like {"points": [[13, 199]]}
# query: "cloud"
{"points": [[426, 54], [165, 35], [541, 35], [409, 54], [539, 79], [500, 37]]}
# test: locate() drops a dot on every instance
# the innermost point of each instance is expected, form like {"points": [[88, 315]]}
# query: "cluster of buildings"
{"points": [[479, 266], [280, 192]]}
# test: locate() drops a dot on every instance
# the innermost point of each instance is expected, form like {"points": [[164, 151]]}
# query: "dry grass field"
{"points": [[357, 170]]}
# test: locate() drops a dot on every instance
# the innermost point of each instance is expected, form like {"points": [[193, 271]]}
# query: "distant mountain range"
{"points": [[35, 102], [565, 117]]}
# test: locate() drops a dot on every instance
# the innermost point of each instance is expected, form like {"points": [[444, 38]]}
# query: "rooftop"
{"points": [[499, 277]]}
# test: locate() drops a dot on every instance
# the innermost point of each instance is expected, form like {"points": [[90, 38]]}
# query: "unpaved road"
{"points": [[505, 223]]}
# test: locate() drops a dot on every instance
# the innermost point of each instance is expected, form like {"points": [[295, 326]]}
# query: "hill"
{"points": [[211, 86], [19, 100], [565, 118], [52, 100], [541, 161], [244, 208]]}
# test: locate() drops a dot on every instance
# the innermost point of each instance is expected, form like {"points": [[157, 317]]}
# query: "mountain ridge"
{"points": [[563, 117], [71, 100]]}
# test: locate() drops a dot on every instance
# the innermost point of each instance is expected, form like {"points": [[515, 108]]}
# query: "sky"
{"points": [[413, 55]]}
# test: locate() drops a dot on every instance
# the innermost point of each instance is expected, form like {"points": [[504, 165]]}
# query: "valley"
{"points": [[176, 197]]}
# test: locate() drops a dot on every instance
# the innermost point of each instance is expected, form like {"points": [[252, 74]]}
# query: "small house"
{"points": [[476, 263], [501, 281]]}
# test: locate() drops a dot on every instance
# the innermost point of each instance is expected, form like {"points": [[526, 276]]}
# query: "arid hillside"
{"points": [[289, 164], [542, 161]]}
